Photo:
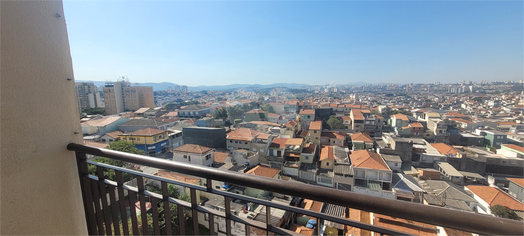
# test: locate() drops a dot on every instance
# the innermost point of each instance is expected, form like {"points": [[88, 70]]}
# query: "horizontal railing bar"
{"points": [[345, 221], [149, 176], [465, 221]]}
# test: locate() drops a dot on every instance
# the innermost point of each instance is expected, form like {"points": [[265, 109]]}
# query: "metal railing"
{"points": [[102, 213]]}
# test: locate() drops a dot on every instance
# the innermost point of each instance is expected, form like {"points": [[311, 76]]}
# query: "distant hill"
{"points": [[247, 86], [165, 85]]}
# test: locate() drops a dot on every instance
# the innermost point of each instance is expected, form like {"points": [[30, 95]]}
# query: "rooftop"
{"points": [[263, 171], [367, 159], [193, 148]]}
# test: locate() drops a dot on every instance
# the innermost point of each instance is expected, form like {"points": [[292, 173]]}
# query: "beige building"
{"points": [[121, 96], [87, 96]]}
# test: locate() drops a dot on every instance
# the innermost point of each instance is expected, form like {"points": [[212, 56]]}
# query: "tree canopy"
{"points": [[95, 111], [110, 174], [268, 108], [235, 112], [220, 113], [504, 212], [334, 123]]}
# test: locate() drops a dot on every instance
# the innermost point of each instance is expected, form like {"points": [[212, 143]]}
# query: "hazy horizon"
{"points": [[316, 43]]}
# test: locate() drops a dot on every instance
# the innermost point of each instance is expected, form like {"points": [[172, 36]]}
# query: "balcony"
{"points": [[102, 213]]}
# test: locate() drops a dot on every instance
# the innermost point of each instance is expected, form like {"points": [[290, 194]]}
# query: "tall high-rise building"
{"points": [[183, 89], [87, 96], [121, 96]]}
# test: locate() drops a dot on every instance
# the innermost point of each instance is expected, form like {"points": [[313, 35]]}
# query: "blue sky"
{"points": [[264, 42]]}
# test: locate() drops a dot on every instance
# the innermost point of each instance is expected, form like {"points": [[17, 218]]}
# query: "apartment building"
{"points": [[121, 96], [87, 96]]}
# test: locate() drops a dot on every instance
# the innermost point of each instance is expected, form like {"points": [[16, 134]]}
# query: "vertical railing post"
{"points": [[87, 196]]}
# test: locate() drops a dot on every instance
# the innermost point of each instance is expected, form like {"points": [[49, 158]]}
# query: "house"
{"points": [[407, 188], [138, 124], [449, 173], [273, 117], [175, 138], [400, 124], [357, 120], [361, 141], [445, 149], [193, 111], [305, 118], [102, 125], [153, 142], [394, 162], [241, 138], [466, 124], [487, 197], [493, 138], [194, 154], [407, 226], [255, 115], [516, 188], [110, 137], [177, 177], [371, 174], [315, 130], [449, 195], [417, 129], [511, 150], [327, 158], [146, 112], [335, 138], [261, 171]]}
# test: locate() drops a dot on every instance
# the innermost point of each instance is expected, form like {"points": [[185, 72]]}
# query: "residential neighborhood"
{"points": [[431, 146]]}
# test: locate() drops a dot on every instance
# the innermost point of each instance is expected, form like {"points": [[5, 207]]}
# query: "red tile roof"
{"points": [[307, 112], [514, 147], [309, 148], [361, 137], [114, 134], [443, 148], [332, 134], [193, 148], [177, 177], [494, 196], [315, 125], [220, 157], [416, 125], [401, 117], [327, 153], [263, 171], [518, 181], [291, 123], [278, 143], [357, 114], [367, 159], [406, 226], [455, 114], [243, 134]]}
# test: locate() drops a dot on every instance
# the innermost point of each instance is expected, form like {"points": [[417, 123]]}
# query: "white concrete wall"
{"points": [[41, 192]]}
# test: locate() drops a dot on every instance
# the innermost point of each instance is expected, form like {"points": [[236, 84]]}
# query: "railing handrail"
{"points": [[460, 220]]}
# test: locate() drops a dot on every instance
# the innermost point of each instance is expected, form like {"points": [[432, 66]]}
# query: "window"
{"points": [[208, 156], [315, 131], [138, 139], [245, 143], [185, 156], [261, 150], [230, 141], [306, 157], [327, 163], [254, 149]]}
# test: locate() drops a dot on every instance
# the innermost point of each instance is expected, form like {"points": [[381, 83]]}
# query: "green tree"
{"points": [[95, 111], [334, 123], [268, 108], [110, 174], [220, 113], [504, 212], [235, 112]]}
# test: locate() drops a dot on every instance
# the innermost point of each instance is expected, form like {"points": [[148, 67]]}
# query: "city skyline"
{"points": [[222, 43]]}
